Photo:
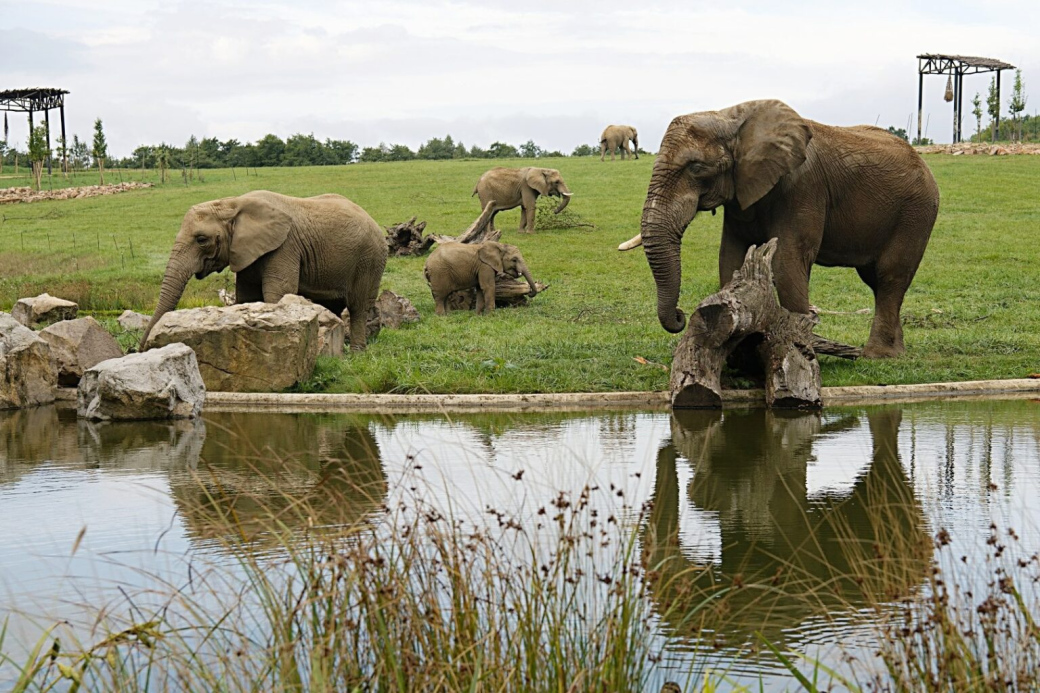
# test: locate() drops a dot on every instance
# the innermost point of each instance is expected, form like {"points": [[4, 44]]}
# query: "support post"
{"points": [[47, 125], [920, 102], [996, 132], [64, 142]]}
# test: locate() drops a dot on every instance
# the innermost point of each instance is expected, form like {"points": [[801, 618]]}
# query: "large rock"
{"points": [[43, 310], [28, 371], [159, 384], [129, 320], [331, 331], [77, 345], [249, 347], [395, 310]]}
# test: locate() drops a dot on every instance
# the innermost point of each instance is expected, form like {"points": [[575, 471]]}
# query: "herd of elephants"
{"points": [[835, 196]]}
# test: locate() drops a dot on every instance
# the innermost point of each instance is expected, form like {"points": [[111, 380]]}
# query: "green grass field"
{"points": [[973, 311]]}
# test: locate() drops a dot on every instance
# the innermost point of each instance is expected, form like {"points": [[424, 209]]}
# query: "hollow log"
{"points": [[508, 293], [747, 309], [407, 238]]}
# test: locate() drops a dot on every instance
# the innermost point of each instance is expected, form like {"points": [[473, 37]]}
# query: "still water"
{"points": [[95, 516]]}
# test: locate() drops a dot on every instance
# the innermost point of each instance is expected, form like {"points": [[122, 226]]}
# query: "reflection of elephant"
{"points": [[455, 266], [618, 136], [790, 556], [262, 473], [835, 196], [324, 248], [520, 187]]}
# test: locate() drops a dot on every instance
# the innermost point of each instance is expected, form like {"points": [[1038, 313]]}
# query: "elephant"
{"points": [[834, 196], [618, 136], [455, 266], [520, 187], [324, 248]]}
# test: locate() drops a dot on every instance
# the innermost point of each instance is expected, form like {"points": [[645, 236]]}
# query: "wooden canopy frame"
{"points": [[956, 66], [39, 99]]}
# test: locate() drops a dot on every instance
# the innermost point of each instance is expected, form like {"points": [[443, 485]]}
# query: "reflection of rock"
{"points": [[30, 437], [784, 558], [261, 474], [77, 345], [42, 310], [249, 347], [158, 384], [28, 371]]}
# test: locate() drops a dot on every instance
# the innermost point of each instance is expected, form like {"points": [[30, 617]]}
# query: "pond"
{"points": [[803, 527]]}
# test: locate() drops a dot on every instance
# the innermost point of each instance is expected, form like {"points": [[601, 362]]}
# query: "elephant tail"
{"points": [[474, 191], [426, 273]]}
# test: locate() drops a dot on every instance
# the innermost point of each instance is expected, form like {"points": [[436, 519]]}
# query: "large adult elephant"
{"points": [[324, 248], [520, 187], [834, 196], [618, 137]]}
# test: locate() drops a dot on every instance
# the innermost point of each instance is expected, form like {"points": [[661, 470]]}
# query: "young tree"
{"points": [[977, 112], [162, 160], [3, 144], [100, 150], [38, 153], [1017, 104], [993, 106]]}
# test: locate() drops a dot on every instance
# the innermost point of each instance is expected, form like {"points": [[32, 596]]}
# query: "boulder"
{"points": [[129, 320], [77, 345], [28, 371], [395, 310], [331, 331], [43, 310], [158, 384], [249, 347]]}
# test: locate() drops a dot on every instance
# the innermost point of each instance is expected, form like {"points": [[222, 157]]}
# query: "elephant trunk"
{"points": [[178, 272], [565, 194], [530, 280], [661, 230]]}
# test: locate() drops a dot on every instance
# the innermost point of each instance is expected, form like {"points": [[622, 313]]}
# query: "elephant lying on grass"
{"points": [[455, 266], [520, 187], [324, 248], [833, 196]]}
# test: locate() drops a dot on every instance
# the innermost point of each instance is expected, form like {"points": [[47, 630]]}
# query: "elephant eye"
{"points": [[201, 240]]}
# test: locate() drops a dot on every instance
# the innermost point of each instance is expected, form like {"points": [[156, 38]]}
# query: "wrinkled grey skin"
{"points": [[833, 196], [520, 187], [455, 266], [324, 248], [618, 137]]}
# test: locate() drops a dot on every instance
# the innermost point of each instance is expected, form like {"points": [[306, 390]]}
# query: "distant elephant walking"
{"points": [[456, 266], [618, 136], [520, 187], [324, 248]]}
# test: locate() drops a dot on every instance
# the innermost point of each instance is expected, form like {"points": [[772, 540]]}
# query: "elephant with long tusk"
{"points": [[520, 187]]}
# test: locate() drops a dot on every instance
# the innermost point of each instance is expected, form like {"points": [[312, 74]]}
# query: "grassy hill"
{"points": [[972, 311]]}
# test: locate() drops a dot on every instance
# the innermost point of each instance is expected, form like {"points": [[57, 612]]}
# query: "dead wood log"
{"points": [[478, 232], [747, 308], [508, 293], [406, 239]]}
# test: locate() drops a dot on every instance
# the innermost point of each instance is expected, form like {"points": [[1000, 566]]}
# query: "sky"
{"points": [[404, 71]]}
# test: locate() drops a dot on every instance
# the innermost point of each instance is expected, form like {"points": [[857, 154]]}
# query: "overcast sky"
{"points": [[403, 71]]}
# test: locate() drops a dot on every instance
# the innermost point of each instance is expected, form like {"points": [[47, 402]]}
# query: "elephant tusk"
{"points": [[633, 242], [566, 194]]}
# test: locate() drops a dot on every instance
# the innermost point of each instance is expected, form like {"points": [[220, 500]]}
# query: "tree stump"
{"points": [[747, 308], [508, 293], [406, 239]]}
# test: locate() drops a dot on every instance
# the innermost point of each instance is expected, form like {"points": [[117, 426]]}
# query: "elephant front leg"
{"points": [[528, 206], [486, 291], [281, 277], [247, 291]]}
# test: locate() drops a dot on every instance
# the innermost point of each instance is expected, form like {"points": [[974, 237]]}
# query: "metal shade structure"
{"points": [[34, 100], [956, 66]]}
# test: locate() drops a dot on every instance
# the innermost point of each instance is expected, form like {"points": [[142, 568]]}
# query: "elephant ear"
{"points": [[257, 228], [537, 179], [490, 254], [771, 142]]}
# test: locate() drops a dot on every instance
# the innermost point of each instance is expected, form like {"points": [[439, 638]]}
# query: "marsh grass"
{"points": [[971, 313]]}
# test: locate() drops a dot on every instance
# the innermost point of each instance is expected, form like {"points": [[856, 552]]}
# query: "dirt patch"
{"points": [[15, 195], [975, 148]]}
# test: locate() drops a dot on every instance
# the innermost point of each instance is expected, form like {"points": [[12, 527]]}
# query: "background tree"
{"points": [[530, 150], [162, 160], [501, 150], [977, 112], [898, 132], [993, 106], [100, 150], [1017, 104], [38, 153], [80, 154]]}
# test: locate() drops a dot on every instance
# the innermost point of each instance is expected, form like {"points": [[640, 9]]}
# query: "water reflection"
{"points": [[784, 557], [259, 474]]}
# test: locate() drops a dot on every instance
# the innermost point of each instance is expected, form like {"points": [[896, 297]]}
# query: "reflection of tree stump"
{"points": [[745, 308], [406, 239], [508, 293]]}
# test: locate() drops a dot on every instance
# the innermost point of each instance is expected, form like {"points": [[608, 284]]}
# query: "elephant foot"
{"points": [[874, 351]]}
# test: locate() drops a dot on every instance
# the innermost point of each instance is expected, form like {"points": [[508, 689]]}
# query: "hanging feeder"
{"points": [[948, 96]]}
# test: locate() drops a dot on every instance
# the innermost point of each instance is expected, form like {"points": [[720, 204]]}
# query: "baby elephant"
{"points": [[455, 266]]}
